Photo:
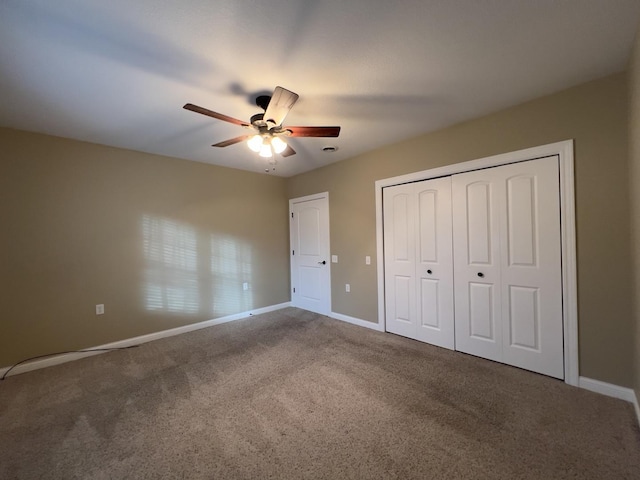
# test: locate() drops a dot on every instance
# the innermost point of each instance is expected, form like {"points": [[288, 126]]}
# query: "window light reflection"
{"points": [[230, 266], [171, 281], [190, 273]]}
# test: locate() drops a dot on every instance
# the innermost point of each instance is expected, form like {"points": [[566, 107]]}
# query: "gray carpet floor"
{"points": [[292, 394]]}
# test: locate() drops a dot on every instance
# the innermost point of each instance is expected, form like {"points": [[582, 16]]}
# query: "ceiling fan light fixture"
{"points": [[255, 143], [265, 150], [269, 136], [278, 145]]}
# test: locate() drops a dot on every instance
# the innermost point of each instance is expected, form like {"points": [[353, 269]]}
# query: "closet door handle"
{"points": [[480, 274], [429, 272], [323, 262]]}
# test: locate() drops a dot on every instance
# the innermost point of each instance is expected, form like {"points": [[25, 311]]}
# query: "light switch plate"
{"points": [[334, 258], [367, 260]]}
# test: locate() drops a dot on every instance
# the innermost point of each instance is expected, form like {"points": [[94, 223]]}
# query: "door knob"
{"points": [[480, 274], [429, 272], [323, 262]]}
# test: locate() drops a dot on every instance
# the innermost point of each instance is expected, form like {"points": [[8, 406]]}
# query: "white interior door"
{"points": [[418, 261], [310, 268], [508, 302]]}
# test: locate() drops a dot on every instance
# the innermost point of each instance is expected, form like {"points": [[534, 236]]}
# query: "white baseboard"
{"points": [[610, 390], [356, 321], [68, 357]]}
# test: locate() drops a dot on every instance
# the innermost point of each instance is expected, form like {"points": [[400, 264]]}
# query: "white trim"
{"points": [[569, 263], [308, 198], [564, 150], [610, 390], [356, 321], [69, 357]]}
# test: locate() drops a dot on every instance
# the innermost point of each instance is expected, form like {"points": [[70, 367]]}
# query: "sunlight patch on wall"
{"points": [[187, 272], [230, 266], [171, 281]]}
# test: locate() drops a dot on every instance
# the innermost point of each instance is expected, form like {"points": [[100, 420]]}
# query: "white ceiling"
{"points": [[118, 72]]}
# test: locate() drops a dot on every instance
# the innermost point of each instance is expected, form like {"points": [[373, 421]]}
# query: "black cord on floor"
{"points": [[63, 353]]}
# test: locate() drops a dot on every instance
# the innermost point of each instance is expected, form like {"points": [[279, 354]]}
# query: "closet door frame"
{"points": [[564, 151]]}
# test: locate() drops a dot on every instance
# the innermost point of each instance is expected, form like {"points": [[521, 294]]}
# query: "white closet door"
{"points": [[434, 262], [476, 246], [507, 265], [400, 259], [531, 267], [418, 261]]}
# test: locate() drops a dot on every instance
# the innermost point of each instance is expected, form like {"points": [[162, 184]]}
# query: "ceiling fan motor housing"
{"points": [[263, 101], [257, 119]]}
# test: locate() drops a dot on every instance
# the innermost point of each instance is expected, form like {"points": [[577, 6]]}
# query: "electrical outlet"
{"points": [[347, 288], [100, 309]]}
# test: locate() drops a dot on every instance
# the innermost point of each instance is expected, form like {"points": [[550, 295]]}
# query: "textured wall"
{"points": [[161, 242], [595, 115]]}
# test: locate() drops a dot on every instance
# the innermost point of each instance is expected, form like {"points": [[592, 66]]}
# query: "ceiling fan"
{"points": [[269, 134]]}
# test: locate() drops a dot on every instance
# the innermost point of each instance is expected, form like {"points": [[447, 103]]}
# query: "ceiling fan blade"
{"points": [[211, 113], [314, 131], [288, 151], [281, 102], [232, 141]]}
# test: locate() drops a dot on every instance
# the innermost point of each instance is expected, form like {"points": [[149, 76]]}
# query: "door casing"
{"points": [[564, 150]]}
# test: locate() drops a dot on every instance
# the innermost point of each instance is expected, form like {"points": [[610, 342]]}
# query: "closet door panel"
{"points": [[531, 267], [524, 317], [434, 265], [478, 218], [400, 259], [476, 253], [429, 304], [482, 325]]}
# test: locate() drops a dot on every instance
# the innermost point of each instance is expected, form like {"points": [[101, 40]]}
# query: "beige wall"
{"points": [[595, 115], [84, 224], [76, 217], [634, 156]]}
